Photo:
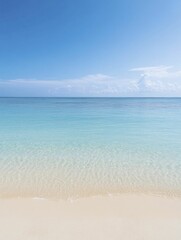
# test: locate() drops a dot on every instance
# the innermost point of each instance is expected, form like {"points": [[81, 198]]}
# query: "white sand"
{"points": [[127, 217]]}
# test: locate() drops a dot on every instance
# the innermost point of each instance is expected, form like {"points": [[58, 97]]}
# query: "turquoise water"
{"points": [[72, 147]]}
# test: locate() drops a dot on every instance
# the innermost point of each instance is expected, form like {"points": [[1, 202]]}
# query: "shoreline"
{"points": [[127, 216], [144, 193]]}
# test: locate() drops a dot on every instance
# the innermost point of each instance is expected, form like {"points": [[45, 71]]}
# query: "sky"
{"points": [[95, 48]]}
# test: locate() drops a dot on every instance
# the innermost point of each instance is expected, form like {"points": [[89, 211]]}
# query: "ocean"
{"points": [[80, 147]]}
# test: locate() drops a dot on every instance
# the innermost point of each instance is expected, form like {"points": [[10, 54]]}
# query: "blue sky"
{"points": [[90, 48]]}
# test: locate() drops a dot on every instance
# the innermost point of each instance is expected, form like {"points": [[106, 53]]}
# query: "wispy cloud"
{"points": [[157, 80], [90, 85], [158, 71]]}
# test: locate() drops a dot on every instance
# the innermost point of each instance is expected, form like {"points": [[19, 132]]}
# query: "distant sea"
{"points": [[77, 147]]}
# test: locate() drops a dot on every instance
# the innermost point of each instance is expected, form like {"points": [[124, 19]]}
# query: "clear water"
{"points": [[72, 147]]}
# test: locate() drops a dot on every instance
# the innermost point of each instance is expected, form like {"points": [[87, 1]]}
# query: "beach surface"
{"points": [[127, 216]]}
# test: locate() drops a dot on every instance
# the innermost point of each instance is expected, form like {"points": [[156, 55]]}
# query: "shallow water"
{"points": [[72, 147]]}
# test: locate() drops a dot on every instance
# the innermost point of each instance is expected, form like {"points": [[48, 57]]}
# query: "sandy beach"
{"points": [[128, 217]]}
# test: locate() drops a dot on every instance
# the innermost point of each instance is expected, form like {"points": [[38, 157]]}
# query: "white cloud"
{"points": [[158, 80], [91, 85]]}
